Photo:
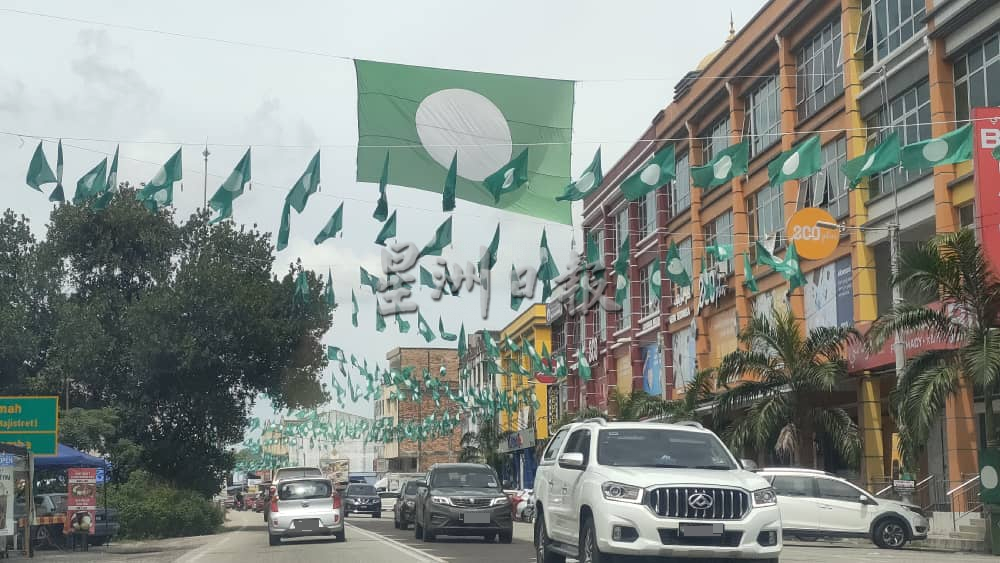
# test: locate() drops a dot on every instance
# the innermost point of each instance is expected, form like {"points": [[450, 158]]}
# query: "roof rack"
{"points": [[599, 420], [690, 423]]}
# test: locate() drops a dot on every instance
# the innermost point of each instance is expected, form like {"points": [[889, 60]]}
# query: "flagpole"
{"points": [[204, 192]]}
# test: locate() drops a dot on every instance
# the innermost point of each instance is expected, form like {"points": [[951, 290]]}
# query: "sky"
{"points": [[141, 74]]}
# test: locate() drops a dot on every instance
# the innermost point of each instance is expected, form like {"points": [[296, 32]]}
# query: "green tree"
{"points": [[483, 446], [952, 270], [773, 386]]}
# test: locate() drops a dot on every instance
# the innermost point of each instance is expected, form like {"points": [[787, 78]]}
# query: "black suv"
{"points": [[402, 513], [362, 499], [462, 499]]}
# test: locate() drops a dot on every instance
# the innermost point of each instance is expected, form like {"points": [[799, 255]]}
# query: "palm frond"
{"points": [[843, 433], [907, 318], [981, 357], [739, 364], [923, 396], [745, 395], [829, 342], [787, 442]]}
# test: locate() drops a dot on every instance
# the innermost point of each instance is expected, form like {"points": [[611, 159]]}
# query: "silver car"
{"points": [[305, 507]]}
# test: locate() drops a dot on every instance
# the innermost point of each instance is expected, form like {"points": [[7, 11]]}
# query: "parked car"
{"points": [[402, 512], [815, 504], [106, 524], [462, 499], [362, 499], [606, 489], [306, 506]]}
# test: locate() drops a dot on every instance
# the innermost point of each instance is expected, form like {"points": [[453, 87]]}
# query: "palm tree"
{"points": [[697, 393], [483, 446], [774, 384], [953, 269]]}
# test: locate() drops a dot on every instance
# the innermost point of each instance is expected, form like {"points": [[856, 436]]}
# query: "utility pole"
{"points": [[204, 192]]}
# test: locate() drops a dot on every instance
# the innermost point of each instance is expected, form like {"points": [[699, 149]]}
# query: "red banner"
{"points": [[985, 138], [81, 505]]}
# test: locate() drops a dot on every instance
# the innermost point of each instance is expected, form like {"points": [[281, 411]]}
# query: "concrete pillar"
{"points": [[789, 119], [703, 358], [741, 226], [870, 427]]}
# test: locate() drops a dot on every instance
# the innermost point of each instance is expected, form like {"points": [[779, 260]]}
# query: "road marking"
{"points": [[399, 546], [203, 550]]}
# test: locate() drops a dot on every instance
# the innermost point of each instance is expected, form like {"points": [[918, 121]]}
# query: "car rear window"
{"points": [[360, 490], [301, 490]]}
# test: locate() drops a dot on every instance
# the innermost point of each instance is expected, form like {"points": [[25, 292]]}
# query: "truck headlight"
{"points": [[621, 492], [765, 497], [441, 500], [500, 501]]}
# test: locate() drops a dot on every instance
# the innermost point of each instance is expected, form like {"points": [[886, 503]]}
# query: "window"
{"points": [[602, 323], [579, 443], [828, 189], [553, 450], [645, 447], [625, 315], [687, 258], [967, 216], [895, 22], [719, 231], [650, 302], [768, 211], [621, 229], [647, 215], [835, 490], [820, 74], [680, 188], [581, 335], [977, 77], [559, 334], [909, 115], [714, 139], [793, 486], [764, 113], [302, 490]]}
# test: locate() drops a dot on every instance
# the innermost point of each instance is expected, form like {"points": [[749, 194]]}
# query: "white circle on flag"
{"points": [[655, 278], [722, 168], [675, 267], [543, 256], [620, 284], [868, 163], [793, 264], [586, 182], [791, 164], [508, 179], [935, 150], [461, 120], [989, 477], [651, 175], [161, 196]]}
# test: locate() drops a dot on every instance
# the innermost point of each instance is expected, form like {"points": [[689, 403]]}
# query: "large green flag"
{"points": [[387, 231], [621, 288], [92, 183], [884, 156], [676, 271], [442, 238], [382, 207], [425, 329], [354, 309], [509, 177], [950, 148], [749, 281], [333, 226], [232, 188], [285, 228], [448, 195], [39, 171], [656, 278], [486, 118], [721, 252], [159, 192], [656, 172], [588, 182], [307, 185], [789, 267], [804, 159], [731, 162]]}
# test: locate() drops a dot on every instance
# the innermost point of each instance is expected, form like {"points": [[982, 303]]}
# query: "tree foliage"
{"points": [[483, 446]]}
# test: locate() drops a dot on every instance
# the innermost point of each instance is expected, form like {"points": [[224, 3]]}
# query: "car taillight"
{"points": [[274, 499], [336, 501]]}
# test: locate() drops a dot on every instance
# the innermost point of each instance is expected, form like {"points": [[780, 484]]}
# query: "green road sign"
{"points": [[31, 422]]}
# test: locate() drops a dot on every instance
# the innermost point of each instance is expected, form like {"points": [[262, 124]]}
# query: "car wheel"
{"points": [[429, 535], [403, 524], [507, 537], [542, 553], [890, 534], [395, 521], [273, 539], [589, 551], [340, 536]]}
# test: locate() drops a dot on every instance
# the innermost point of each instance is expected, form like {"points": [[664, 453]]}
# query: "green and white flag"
{"points": [[387, 231], [333, 226], [515, 300], [382, 207], [92, 184], [379, 321], [486, 118], [354, 309], [402, 324], [445, 335], [450, 181], [655, 279], [425, 329], [656, 172], [285, 228], [731, 162], [584, 367], [58, 193], [950, 148], [462, 347], [805, 159], [307, 185], [301, 288], [676, 272], [621, 288], [588, 182], [113, 172], [547, 270], [39, 171], [621, 261], [721, 252], [884, 156], [509, 177], [789, 267], [706, 285], [489, 260], [328, 295], [749, 281], [159, 192], [335, 354], [442, 238], [232, 188], [368, 280]]}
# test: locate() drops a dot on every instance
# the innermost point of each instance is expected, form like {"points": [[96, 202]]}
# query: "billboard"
{"points": [[336, 470], [985, 139]]}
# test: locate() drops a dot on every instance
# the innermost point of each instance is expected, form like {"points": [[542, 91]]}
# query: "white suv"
{"points": [[648, 489], [815, 504]]}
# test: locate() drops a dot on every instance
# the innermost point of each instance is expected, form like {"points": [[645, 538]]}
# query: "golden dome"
{"points": [[711, 56]]}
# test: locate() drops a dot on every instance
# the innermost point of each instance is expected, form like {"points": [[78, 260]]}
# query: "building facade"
{"points": [[479, 380], [849, 72]]}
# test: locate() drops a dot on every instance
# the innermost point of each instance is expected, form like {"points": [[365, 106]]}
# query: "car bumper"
{"points": [[450, 521], [364, 508], [285, 526], [658, 537], [919, 527]]}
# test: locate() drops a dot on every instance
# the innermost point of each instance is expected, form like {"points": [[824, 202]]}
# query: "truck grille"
{"points": [[470, 502], [676, 502]]}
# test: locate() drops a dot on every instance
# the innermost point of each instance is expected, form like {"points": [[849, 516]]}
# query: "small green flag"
{"points": [[805, 159], [100, 202], [59, 171], [442, 238], [656, 172], [425, 329], [382, 207], [113, 172], [403, 324], [950, 148], [621, 288], [328, 295], [427, 280], [232, 188], [461, 342], [307, 185], [448, 195], [509, 177], [515, 301], [354, 309], [749, 281], [655, 279], [302, 288], [159, 192], [584, 367], [335, 354], [621, 262], [379, 321], [706, 285], [547, 270], [676, 272], [789, 268], [369, 280], [884, 156], [283, 230], [592, 249], [39, 171], [388, 230], [92, 183], [447, 336], [222, 203], [491, 252], [588, 182], [721, 252], [333, 226], [729, 163]]}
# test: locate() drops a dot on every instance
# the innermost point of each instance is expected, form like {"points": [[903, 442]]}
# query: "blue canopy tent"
{"points": [[72, 457]]}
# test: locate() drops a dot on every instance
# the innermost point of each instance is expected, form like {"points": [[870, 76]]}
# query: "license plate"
{"points": [[306, 524], [476, 518], [700, 530]]}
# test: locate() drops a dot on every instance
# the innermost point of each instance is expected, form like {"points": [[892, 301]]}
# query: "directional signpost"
{"points": [[30, 422]]}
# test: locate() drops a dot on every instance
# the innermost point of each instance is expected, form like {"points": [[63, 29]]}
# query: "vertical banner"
{"points": [[986, 138], [81, 506], [845, 292], [651, 378], [552, 405], [6, 495]]}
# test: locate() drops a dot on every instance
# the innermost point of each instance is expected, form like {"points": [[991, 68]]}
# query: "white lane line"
{"points": [[398, 546], [202, 551]]}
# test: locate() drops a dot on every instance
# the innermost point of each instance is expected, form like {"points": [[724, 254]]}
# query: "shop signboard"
{"points": [[81, 504], [6, 495], [520, 440], [986, 170], [30, 422]]}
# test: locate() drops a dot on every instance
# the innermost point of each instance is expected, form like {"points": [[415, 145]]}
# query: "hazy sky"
{"points": [[101, 84]]}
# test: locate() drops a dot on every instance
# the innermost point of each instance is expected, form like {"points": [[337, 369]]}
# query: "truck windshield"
{"points": [[656, 447]]}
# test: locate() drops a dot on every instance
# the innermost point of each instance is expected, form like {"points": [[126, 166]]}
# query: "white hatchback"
{"points": [[815, 504], [304, 507]]}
